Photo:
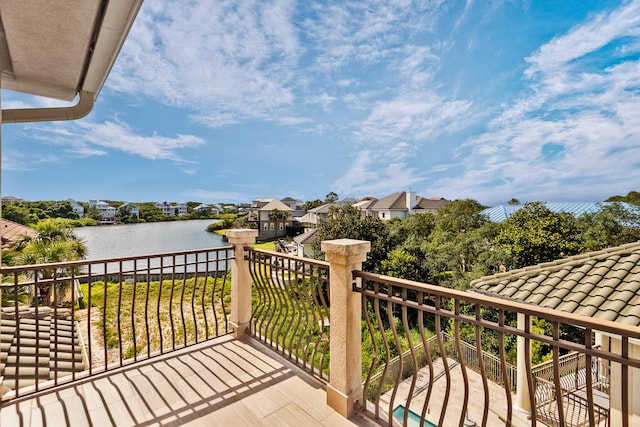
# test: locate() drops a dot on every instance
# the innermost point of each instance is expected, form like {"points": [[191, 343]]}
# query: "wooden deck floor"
{"points": [[224, 382]]}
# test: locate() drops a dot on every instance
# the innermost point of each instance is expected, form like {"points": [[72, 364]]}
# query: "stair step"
{"points": [[25, 372], [66, 366], [31, 351], [28, 360]]}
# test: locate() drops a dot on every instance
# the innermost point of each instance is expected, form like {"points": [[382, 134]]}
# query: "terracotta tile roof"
{"points": [[603, 284], [12, 232]]}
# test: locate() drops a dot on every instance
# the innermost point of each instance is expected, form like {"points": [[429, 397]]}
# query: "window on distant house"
{"points": [[382, 214]]}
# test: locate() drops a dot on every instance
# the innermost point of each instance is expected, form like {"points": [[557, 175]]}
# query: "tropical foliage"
{"points": [[54, 242]]}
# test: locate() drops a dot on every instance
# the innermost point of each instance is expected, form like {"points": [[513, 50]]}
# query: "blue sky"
{"points": [[226, 101]]}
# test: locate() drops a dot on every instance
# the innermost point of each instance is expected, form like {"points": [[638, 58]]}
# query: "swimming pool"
{"points": [[413, 419]]}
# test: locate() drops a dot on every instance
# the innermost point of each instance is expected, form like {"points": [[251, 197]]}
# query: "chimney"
{"points": [[411, 201]]}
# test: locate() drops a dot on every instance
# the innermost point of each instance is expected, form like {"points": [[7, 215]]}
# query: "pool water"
{"points": [[413, 419]]}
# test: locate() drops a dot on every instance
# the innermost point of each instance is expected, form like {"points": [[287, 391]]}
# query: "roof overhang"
{"points": [[62, 49]]}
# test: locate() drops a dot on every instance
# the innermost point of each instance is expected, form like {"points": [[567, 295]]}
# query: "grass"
{"points": [[267, 246], [147, 317]]}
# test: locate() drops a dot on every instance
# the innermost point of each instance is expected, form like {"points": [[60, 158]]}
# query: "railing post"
{"points": [[523, 402], [345, 341], [240, 280]]}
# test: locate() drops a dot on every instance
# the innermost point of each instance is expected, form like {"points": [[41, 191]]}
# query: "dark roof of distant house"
{"points": [[322, 209], [432, 203], [12, 232], [502, 212], [275, 204], [306, 237], [290, 199], [603, 284], [396, 200]]}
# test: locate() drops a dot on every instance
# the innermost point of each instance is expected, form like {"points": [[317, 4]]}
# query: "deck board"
{"points": [[219, 383]]}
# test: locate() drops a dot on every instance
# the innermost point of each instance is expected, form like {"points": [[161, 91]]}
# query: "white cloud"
{"points": [[588, 111], [375, 173], [85, 138], [226, 61]]}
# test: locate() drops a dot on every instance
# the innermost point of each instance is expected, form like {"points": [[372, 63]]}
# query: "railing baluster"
{"points": [[182, 292], [556, 376], [503, 363], [461, 360], [427, 350], [146, 310], [624, 384], [193, 298], [118, 324], [483, 373], [158, 302], [445, 362]]}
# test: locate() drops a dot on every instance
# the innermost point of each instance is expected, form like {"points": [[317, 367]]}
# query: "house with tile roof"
{"points": [[501, 213], [402, 204], [603, 285]]}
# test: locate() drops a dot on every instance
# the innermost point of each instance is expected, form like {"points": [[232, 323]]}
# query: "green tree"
{"points": [[308, 205], [345, 222], [278, 217], [54, 242], [632, 197], [534, 234], [613, 225], [149, 212], [330, 197]]}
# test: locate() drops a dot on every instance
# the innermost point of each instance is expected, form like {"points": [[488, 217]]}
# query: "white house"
{"points": [[130, 209], [77, 207], [401, 205], [107, 212]]}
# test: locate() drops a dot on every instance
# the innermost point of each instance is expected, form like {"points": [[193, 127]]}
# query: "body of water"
{"points": [[114, 241]]}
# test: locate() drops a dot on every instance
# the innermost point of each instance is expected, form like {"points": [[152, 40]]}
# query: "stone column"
{"points": [[240, 281], [345, 365], [522, 404]]}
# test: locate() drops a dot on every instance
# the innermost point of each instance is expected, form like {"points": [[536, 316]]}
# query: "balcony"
{"points": [[238, 335]]}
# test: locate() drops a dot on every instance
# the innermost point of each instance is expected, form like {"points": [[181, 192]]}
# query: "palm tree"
{"points": [[53, 242], [278, 216]]}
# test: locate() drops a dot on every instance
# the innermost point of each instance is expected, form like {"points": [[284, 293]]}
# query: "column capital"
{"points": [[241, 236], [346, 251]]}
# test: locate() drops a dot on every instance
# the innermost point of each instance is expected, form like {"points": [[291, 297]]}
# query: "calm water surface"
{"points": [[113, 241]]}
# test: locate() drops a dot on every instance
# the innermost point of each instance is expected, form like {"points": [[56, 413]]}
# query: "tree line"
{"points": [[457, 243], [30, 213]]}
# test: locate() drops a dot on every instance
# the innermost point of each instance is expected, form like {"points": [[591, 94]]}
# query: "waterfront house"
{"points": [[77, 207], [169, 209], [130, 210], [107, 212], [272, 217]]}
